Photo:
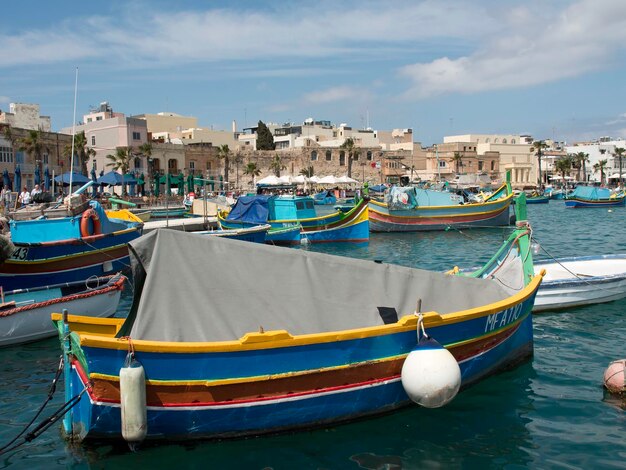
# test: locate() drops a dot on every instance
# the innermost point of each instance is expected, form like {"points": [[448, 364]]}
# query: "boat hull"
{"points": [[39, 264], [538, 200], [276, 387], [31, 322], [573, 282], [487, 214], [254, 234], [580, 202]]}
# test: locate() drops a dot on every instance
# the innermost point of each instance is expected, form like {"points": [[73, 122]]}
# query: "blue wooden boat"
{"points": [[289, 212], [66, 249], [325, 198], [537, 198], [593, 196], [240, 358], [168, 212], [412, 209]]}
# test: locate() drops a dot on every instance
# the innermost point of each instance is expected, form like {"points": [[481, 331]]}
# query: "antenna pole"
{"points": [[73, 131]]}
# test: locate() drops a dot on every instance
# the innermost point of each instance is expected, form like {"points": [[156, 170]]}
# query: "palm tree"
{"points": [[458, 161], [350, 146], [537, 147], [581, 158], [619, 153], [277, 165], [308, 172], [238, 161], [223, 153], [563, 165], [120, 161], [600, 166], [81, 150], [32, 145], [251, 170]]}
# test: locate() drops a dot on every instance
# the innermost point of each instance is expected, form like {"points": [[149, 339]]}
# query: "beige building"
{"points": [[25, 116], [167, 122], [514, 152]]}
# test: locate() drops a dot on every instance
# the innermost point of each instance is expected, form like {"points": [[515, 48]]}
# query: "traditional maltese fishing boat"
{"points": [[592, 196], [67, 249], [410, 209], [240, 358]]}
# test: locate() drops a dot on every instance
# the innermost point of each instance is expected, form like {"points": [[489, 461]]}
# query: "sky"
{"points": [[553, 69]]}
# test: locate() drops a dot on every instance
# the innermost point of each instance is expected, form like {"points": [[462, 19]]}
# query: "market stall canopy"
{"points": [[77, 178], [113, 178], [346, 180], [271, 180], [330, 179]]}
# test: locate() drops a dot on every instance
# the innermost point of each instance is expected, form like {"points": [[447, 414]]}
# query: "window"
{"points": [[329, 156], [45, 158], [6, 155], [137, 163], [208, 166], [98, 118], [369, 155], [504, 141], [442, 164], [309, 204], [192, 165], [172, 165], [314, 156], [342, 158], [512, 141], [136, 135], [493, 165], [496, 140], [93, 140], [88, 119], [299, 205], [480, 165]]}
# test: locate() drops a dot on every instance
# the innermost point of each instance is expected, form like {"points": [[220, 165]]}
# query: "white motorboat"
{"points": [[25, 313], [575, 281]]}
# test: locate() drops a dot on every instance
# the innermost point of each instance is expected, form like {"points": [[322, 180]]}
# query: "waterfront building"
{"points": [[106, 130], [15, 125], [601, 149]]}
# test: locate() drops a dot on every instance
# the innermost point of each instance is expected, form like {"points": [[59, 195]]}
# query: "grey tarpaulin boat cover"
{"points": [[190, 287]]}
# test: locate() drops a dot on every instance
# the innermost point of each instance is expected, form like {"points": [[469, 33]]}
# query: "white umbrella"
{"points": [[330, 179], [300, 179], [346, 180], [314, 179], [270, 180], [285, 179]]}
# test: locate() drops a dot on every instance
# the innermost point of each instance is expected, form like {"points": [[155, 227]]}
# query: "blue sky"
{"points": [[552, 69]]}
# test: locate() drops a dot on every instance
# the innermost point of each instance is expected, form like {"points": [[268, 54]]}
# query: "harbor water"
{"points": [[551, 412]]}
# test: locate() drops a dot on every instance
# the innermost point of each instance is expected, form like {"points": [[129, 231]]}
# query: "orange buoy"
{"points": [[615, 376], [85, 226]]}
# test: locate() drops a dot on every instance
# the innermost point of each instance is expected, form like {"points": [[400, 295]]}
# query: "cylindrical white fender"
{"points": [[133, 402], [431, 376]]}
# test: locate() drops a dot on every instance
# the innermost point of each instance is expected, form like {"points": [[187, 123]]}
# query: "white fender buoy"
{"points": [[133, 402], [615, 376], [431, 376], [304, 241]]}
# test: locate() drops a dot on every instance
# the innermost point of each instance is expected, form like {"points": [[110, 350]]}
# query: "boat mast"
{"points": [[73, 130]]}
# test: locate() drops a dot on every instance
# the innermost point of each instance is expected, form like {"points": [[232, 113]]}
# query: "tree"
{"points": [[32, 145], [563, 165], [264, 138], [600, 166], [458, 161], [308, 172], [251, 170], [120, 161], [350, 147], [277, 165], [619, 153], [538, 147], [223, 153], [581, 158]]}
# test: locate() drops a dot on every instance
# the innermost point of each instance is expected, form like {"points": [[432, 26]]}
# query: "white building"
{"points": [[604, 149]]}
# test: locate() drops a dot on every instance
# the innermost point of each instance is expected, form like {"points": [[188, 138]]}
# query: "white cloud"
{"points": [[535, 46], [5, 100], [333, 94]]}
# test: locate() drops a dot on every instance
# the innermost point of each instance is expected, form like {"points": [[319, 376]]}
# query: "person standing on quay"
{"points": [[24, 198]]}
